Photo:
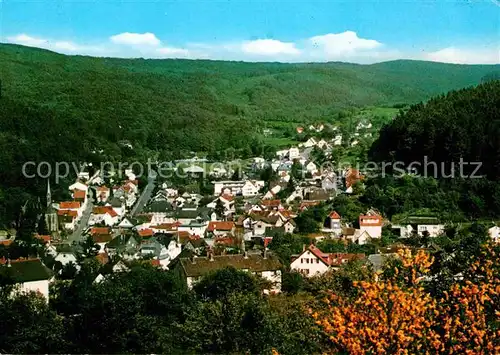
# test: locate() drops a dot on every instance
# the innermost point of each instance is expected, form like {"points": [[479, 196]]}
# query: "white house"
{"points": [[433, 229], [293, 153], [371, 224], [311, 262], [311, 167], [29, 275], [311, 142], [337, 140], [251, 187], [78, 186], [494, 233]]}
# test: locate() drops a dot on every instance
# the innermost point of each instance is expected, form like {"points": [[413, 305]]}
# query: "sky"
{"points": [[453, 31]]}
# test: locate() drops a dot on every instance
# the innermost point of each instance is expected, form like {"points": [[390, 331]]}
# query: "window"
{"points": [[307, 261], [317, 261], [301, 261]]}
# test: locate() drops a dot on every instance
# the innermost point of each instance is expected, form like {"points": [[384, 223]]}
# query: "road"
{"points": [[146, 194], [76, 236]]}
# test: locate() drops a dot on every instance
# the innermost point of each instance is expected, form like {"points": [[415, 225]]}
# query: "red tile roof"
{"points": [[352, 176], [6, 242], [102, 258], [67, 213], [69, 205], [219, 225], [167, 226], [44, 238], [104, 209], [103, 189], [367, 221], [271, 203], [227, 197], [145, 232], [334, 215], [99, 230], [79, 194], [306, 204]]}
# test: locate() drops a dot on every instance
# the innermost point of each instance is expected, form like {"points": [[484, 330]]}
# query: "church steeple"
{"points": [[49, 195]]}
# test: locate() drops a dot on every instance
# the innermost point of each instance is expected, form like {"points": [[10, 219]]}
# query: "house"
{"points": [[78, 186], [333, 223], [101, 236], [311, 167], [80, 196], [351, 176], [419, 224], [103, 214], [252, 187], [372, 225], [293, 153], [313, 262], [219, 228], [494, 233], [67, 219], [29, 275], [102, 193], [311, 142], [337, 140], [271, 204], [304, 205], [329, 183], [196, 245], [125, 245], [127, 223], [300, 130], [65, 254], [265, 265]]}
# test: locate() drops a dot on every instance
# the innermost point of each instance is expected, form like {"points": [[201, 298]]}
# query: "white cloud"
{"points": [[136, 39], [27, 40], [67, 46], [345, 44], [269, 47], [172, 52], [465, 56]]}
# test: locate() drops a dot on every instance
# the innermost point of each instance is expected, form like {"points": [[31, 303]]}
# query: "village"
{"points": [[170, 227]]}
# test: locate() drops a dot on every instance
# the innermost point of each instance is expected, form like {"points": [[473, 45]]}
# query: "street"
{"points": [[76, 236], [146, 194]]}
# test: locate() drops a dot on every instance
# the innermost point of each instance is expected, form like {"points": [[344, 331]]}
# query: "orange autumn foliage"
{"points": [[388, 318]]}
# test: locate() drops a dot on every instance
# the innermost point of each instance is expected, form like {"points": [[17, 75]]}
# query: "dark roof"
{"points": [[159, 206], [254, 263], [120, 241], [419, 220], [26, 270]]}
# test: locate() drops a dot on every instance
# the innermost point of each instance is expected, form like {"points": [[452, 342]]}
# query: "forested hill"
{"points": [[463, 124], [207, 105]]}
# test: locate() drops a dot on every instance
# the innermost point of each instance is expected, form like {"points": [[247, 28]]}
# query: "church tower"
{"points": [[49, 195]]}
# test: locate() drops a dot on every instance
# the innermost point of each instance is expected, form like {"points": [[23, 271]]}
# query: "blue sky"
{"points": [[460, 31]]}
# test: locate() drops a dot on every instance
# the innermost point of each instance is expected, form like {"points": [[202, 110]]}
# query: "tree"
{"points": [[220, 210], [29, 326], [221, 283], [89, 247]]}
